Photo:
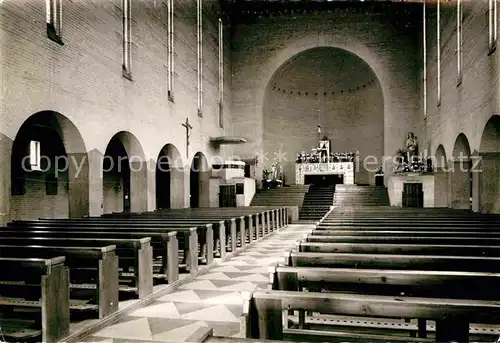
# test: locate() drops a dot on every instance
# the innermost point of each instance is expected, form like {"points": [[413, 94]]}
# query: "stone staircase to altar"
{"points": [[354, 195], [292, 195], [317, 202]]}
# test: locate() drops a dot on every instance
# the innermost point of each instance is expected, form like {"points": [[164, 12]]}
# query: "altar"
{"points": [[346, 169]]}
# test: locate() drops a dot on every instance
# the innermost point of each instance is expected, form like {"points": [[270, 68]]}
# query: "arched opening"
{"points": [[199, 182], [324, 91], [489, 168], [461, 176], [49, 169], [124, 175], [116, 178], [440, 162], [169, 178], [441, 183]]}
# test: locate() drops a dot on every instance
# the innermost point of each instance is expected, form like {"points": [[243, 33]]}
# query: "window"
{"points": [[127, 43], [199, 25], [492, 24], [54, 20], [438, 30], [221, 73], [170, 57], [425, 58], [35, 158], [459, 43]]}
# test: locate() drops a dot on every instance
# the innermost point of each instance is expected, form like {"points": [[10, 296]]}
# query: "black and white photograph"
{"points": [[250, 171]]}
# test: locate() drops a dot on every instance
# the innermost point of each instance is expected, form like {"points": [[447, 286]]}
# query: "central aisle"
{"points": [[211, 300]]}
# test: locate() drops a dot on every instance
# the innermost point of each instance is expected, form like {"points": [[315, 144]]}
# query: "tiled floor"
{"points": [[211, 300]]}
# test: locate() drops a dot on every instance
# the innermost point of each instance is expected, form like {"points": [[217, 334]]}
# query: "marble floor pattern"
{"points": [[211, 300]]}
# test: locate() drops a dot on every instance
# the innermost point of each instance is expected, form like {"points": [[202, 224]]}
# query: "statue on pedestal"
{"points": [[411, 146]]}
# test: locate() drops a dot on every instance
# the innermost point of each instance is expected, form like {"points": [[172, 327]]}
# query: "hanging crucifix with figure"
{"points": [[188, 127]]}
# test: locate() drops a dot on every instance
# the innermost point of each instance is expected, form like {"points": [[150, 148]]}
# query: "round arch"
{"points": [[440, 157], [490, 139], [199, 176], [169, 178], [461, 148], [310, 88], [49, 162], [124, 175], [399, 118], [461, 187], [488, 177]]}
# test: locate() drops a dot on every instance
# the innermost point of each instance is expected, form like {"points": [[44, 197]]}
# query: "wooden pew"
{"points": [[397, 262], [41, 284], [418, 240], [408, 226], [406, 233], [262, 316], [92, 270], [197, 217], [135, 256], [420, 283], [164, 244], [401, 249], [416, 283], [188, 233]]}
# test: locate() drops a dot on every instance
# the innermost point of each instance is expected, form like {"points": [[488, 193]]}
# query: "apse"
{"points": [[324, 92]]}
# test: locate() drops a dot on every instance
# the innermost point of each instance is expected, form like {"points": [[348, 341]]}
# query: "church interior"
{"points": [[250, 171]]}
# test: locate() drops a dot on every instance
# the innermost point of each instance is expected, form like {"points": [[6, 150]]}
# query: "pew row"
{"points": [[263, 312], [163, 244], [188, 233], [42, 290], [134, 257], [93, 272]]}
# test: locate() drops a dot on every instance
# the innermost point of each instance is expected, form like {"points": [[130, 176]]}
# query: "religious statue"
{"points": [[411, 145], [275, 171]]}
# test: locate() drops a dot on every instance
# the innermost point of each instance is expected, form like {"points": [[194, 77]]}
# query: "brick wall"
{"points": [[82, 80], [262, 47], [464, 108]]}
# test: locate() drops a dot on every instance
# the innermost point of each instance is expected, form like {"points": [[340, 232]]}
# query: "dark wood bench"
{"points": [[93, 271], [204, 233], [397, 262], [135, 257], [263, 311], [408, 226], [188, 234], [407, 233], [401, 249], [418, 240], [416, 283], [163, 245], [34, 284], [419, 283]]}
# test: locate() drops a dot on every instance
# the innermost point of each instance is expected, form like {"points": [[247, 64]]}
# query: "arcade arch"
{"points": [[199, 175], [460, 174], [489, 168], [124, 175], [49, 169], [169, 178]]}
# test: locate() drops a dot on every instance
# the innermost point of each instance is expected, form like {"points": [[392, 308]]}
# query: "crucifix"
{"points": [[188, 127]]}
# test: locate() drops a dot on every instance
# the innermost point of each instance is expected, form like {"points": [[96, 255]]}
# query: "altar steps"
{"points": [[317, 202], [354, 195], [292, 195]]}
